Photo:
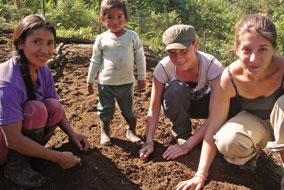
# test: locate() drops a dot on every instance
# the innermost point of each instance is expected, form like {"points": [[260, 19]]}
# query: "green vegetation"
{"points": [[214, 20]]}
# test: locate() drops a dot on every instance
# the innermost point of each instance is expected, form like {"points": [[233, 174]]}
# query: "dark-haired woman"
{"points": [[29, 106]]}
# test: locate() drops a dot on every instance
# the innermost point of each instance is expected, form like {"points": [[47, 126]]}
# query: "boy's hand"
{"points": [[90, 88], [141, 84]]}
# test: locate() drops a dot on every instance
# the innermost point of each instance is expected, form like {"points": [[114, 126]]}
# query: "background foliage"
{"points": [[214, 20]]}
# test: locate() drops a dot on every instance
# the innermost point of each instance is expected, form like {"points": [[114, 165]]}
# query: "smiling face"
{"points": [[255, 53], [114, 20], [38, 47], [183, 59]]}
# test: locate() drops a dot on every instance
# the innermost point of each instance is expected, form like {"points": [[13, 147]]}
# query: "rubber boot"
{"points": [[48, 132], [34, 134], [18, 169], [105, 133], [131, 130]]}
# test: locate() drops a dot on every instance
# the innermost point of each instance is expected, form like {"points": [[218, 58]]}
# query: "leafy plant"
{"points": [[278, 18], [70, 14]]}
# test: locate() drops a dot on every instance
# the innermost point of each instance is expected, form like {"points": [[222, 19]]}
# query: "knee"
{"points": [[34, 108], [176, 90], [35, 115], [53, 105], [235, 146], [55, 111]]}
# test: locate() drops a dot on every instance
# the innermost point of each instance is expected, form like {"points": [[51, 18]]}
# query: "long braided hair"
{"points": [[24, 28]]}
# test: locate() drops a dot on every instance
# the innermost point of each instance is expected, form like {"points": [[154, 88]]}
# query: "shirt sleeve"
{"points": [[139, 58], [160, 74], [96, 61], [215, 69], [10, 106]]}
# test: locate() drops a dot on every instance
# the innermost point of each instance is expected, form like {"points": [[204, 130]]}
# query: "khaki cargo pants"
{"points": [[243, 136]]}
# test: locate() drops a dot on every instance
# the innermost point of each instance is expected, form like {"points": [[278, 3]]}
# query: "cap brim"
{"points": [[183, 45]]}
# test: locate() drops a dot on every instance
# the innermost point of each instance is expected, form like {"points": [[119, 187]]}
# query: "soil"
{"points": [[118, 166]]}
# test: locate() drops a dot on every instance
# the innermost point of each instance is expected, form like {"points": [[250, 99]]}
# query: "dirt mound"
{"points": [[118, 166]]}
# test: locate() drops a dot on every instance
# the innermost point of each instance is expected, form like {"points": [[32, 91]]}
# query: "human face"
{"points": [[183, 59], [115, 20], [38, 47], [255, 53]]}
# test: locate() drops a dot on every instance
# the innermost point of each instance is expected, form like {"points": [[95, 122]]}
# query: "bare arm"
{"points": [[219, 108], [153, 117], [17, 141], [80, 140]]}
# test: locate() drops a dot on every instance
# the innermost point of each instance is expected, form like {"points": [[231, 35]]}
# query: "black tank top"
{"points": [[260, 107]]}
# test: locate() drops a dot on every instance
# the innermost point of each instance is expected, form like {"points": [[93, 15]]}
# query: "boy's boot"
{"points": [[104, 124], [131, 130], [18, 169]]}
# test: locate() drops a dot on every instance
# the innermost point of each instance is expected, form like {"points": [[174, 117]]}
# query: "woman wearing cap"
{"points": [[182, 85]]}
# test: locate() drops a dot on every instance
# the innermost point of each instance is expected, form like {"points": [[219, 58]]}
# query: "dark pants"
{"points": [[179, 107], [123, 94]]}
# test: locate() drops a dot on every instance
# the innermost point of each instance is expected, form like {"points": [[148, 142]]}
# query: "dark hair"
{"points": [[257, 23], [110, 4], [24, 28]]}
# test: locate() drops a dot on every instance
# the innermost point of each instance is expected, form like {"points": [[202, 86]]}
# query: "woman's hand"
{"points": [[68, 160], [197, 182], [146, 150], [176, 151], [81, 141]]}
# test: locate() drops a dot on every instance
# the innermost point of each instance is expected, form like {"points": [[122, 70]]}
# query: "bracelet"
{"points": [[198, 174], [148, 143]]}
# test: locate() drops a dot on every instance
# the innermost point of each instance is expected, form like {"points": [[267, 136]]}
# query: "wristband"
{"points": [[198, 174]]}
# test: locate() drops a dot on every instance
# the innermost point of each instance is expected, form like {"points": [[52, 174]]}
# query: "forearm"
{"points": [[141, 68], [197, 137], [65, 126], [154, 109], [27, 146], [152, 123], [93, 70], [139, 59], [208, 153]]}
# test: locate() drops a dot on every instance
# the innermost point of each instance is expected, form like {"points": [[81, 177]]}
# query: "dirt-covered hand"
{"points": [[175, 151], [68, 160], [197, 182], [81, 141], [145, 151]]}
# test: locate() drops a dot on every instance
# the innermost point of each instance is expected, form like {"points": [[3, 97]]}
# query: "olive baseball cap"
{"points": [[179, 36]]}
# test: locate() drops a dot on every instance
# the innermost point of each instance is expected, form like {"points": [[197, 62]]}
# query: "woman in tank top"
{"points": [[256, 80]]}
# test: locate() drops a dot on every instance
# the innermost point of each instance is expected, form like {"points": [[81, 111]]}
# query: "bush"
{"points": [[70, 14]]}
